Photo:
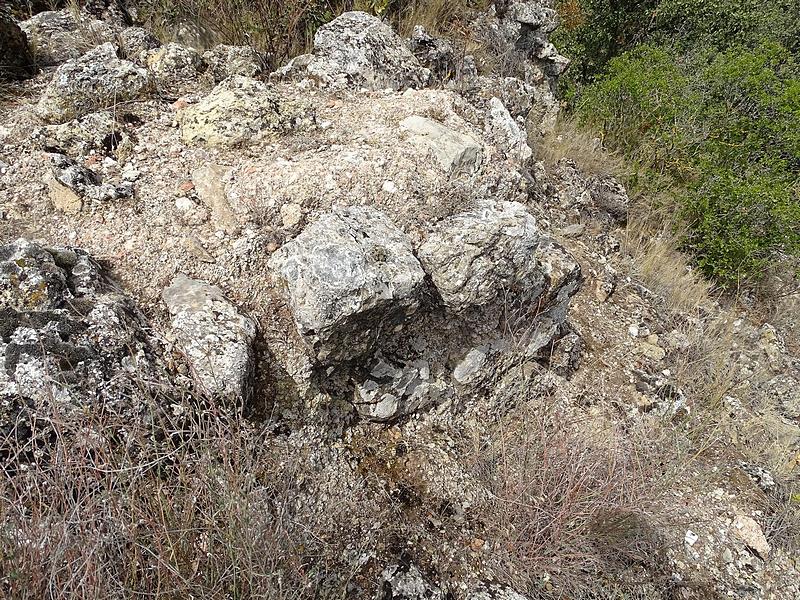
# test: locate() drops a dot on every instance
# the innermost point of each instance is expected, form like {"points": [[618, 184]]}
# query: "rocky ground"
{"points": [[363, 253]]}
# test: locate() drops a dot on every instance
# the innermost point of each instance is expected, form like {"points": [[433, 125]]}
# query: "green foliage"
{"points": [[723, 128], [704, 96]]}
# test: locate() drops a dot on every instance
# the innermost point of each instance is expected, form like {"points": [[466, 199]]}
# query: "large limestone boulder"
{"points": [[58, 36], [359, 50], [16, 61], [475, 257], [95, 81], [349, 278], [216, 339], [236, 111], [70, 342], [496, 254]]}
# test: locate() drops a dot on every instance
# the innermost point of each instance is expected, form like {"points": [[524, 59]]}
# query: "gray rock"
{"points": [[98, 132], [495, 591], [534, 15], [405, 582], [58, 36], [350, 277], [610, 200], [226, 61], [135, 42], [455, 152], [760, 476], [236, 111], [520, 37], [395, 390], [209, 182], [16, 60], [784, 391], [473, 257], [506, 132], [70, 341], [85, 183], [565, 356], [173, 66], [95, 81], [216, 339], [357, 49], [496, 255], [435, 54]]}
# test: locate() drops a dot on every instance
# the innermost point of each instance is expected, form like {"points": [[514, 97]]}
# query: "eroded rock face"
{"points": [[350, 277], [216, 339], [359, 50], [16, 61], [521, 31], [69, 339], [236, 111], [96, 80], [59, 36], [473, 257], [226, 61]]}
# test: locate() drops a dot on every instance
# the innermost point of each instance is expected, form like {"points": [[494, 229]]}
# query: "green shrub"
{"points": [[722, 127]]}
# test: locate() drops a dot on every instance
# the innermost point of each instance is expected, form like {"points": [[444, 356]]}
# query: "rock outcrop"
{"points": [[71, 342], [476, 257], [95, 81], [59, 36], [16, 60], [237, 111], [350, 278], [174, 66], [358, 50]]}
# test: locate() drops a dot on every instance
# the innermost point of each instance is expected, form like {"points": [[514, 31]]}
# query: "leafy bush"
{"points": [[722, 128]]}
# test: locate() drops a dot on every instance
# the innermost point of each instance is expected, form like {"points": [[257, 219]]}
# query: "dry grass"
{"points": [[438, 17], [577, 505], [202, 507], [283, 29], [580, 145]]}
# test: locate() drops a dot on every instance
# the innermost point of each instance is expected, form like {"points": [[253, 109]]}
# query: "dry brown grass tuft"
{"points": [[580, 145], [203, 507], [438, 17], [571, 503]]}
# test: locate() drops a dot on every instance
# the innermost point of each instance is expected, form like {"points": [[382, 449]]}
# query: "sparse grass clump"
{"points": [[202, 507], [574, 505]]}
